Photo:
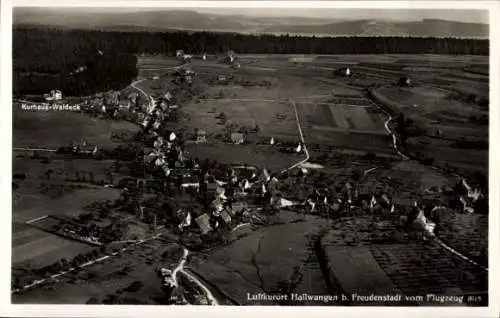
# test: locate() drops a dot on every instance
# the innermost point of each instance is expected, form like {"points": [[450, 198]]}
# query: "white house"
{"points": [[54, 95]]}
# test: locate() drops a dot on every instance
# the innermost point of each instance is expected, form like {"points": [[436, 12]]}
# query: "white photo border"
{"points": [[9, 310]]}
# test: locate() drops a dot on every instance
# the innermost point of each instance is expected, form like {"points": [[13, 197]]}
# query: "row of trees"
{"points": [[76, 63], [41, 41]]}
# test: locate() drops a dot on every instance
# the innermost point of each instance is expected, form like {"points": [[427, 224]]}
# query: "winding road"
{"points": [[180, 267], [395, 146]]}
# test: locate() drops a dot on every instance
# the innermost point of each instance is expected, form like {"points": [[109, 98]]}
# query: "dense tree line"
{"points": [[77, 64], [44, 58]]}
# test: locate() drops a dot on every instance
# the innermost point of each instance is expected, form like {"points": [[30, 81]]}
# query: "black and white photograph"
{"points": [[249, 156]]}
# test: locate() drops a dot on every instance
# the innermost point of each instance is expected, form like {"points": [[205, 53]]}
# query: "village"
{"points": [[200, 202]]}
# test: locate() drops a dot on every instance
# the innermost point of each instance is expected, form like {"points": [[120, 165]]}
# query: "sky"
{"points": [[475, 16], [464, 15]]}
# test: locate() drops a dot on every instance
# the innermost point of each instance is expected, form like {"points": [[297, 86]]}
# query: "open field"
{"points": [[462, 127], [154, 66], [262, 156], [358, 272], [36, 248], [343, 117], [418, 270], [424, 101], [61, 169], [259, 262], [43, 249], [243, 114], [69, 205], [465, 232], [58, 128], [111, 276]]}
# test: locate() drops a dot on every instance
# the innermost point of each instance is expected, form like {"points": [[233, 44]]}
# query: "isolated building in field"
{"points": [[231, 57], [237, 138], [404, 81], [57, 94], [344, 71], [54, 95]]}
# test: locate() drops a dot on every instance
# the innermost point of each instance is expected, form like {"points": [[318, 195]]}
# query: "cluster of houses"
{"points": [[231, 193], [86, 235], [111, 103], [185, 58], [184, 75], [82, 148], [232, 60]]}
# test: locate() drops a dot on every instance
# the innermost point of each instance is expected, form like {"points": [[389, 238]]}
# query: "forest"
{"points": [[47, 58]]}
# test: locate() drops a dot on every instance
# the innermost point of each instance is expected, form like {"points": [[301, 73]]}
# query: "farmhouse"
{"points": [[54, 95], [237, 138], [230, 58]]}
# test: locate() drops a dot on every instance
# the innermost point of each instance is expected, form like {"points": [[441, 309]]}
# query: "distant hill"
{"points": [[424, 28], [156, 21], [150, 20]]}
